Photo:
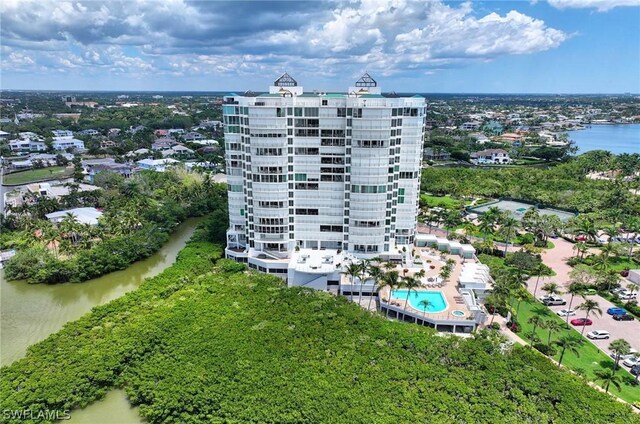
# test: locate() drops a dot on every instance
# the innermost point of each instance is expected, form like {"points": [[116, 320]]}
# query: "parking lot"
{"points": [[628, 330], [556, 259]]}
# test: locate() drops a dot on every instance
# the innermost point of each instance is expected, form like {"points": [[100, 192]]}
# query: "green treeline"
{"points": [[139, 216], [200, 344], [565, 185]]}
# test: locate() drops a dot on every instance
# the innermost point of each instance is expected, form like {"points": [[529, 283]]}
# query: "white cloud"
{"points": [[600, 5], [176, 36]]}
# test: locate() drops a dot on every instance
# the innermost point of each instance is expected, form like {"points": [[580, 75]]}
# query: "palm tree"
{"points": [[353, 270], [552, 326], [486, 225], [589, 306], [587, 228], [536, 321], [376, 273], [391, 279], [574, 289], [520, 294], [424, 303], [580, 248], [551, 288], [508, 226], [608, 377], [411, 284], [619, 347], [632, 287], [538, 271], [364, 269], [452, 220], [389, 266], [567, 343]]}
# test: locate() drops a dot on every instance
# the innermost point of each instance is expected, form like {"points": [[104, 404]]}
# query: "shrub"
{"points": [[495, 326], [545, 349], [229, 265]]}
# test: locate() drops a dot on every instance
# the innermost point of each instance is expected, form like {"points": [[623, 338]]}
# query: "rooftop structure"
{"points": [[82, 215]]}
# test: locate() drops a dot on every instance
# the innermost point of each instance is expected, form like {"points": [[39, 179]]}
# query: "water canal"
{"points": [[31, 312]]}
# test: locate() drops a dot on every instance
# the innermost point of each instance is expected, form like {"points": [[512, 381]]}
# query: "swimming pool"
{"points": [[437, 303]]}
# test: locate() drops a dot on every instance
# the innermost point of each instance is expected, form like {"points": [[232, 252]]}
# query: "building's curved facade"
{"points": [[321, 170]]}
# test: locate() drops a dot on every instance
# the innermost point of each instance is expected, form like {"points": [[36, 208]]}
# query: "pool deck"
{"points": [[449, 288]]}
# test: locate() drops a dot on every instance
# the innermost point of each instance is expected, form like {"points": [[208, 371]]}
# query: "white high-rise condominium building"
{"points": [[316, 171]]}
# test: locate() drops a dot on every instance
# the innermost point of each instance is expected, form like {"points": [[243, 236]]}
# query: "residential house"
{"points": [[513, 138], [163, 143], [471, 126], [161, 133], [62, 133], [191, 136], [90, 132], [88, 216], [490, 157], [430, 153], [206, 142], [158, 165], [27, 145], [480, 138], [177, 150], [92, 167], [64, 143], [4, 135]]}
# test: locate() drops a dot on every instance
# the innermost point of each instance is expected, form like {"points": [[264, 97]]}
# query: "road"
{"points": [[556, 259]]}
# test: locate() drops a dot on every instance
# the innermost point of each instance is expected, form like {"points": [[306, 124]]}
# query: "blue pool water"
{"points": [[435, 298]]}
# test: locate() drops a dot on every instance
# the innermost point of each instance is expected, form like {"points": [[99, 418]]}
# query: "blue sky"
{"points": [[543, 46]]}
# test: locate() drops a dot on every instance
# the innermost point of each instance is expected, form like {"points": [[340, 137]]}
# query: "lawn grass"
{"points": [[25, 177], [591, 358], [494, 263], [446, 202]]}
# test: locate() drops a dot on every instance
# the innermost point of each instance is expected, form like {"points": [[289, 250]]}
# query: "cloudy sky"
{"points": [[537, 46]]}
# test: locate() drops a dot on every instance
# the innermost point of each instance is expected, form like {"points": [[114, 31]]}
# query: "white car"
{"points": [[629, 362], [631, 354], [627, 296], [598, 334], [566, 312]]}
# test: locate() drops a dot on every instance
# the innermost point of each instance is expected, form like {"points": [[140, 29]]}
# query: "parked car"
{"points": [[590, 292], [618, 290], [598, 334], [554, 300], [581, 321], [631, 362], [623, 317], [631, 354], [627, 296], [635, 370], [566, 312], [615, 310]]}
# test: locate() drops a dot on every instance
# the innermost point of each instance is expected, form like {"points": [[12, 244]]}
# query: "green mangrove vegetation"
{"points": [[208, 341]]}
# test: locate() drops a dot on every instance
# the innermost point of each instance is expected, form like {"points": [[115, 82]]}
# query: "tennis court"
{"points": [[518, 209]]}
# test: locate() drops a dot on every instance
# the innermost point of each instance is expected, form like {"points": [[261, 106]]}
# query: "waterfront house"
{"points": [[490, 157], [88, 216]]}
